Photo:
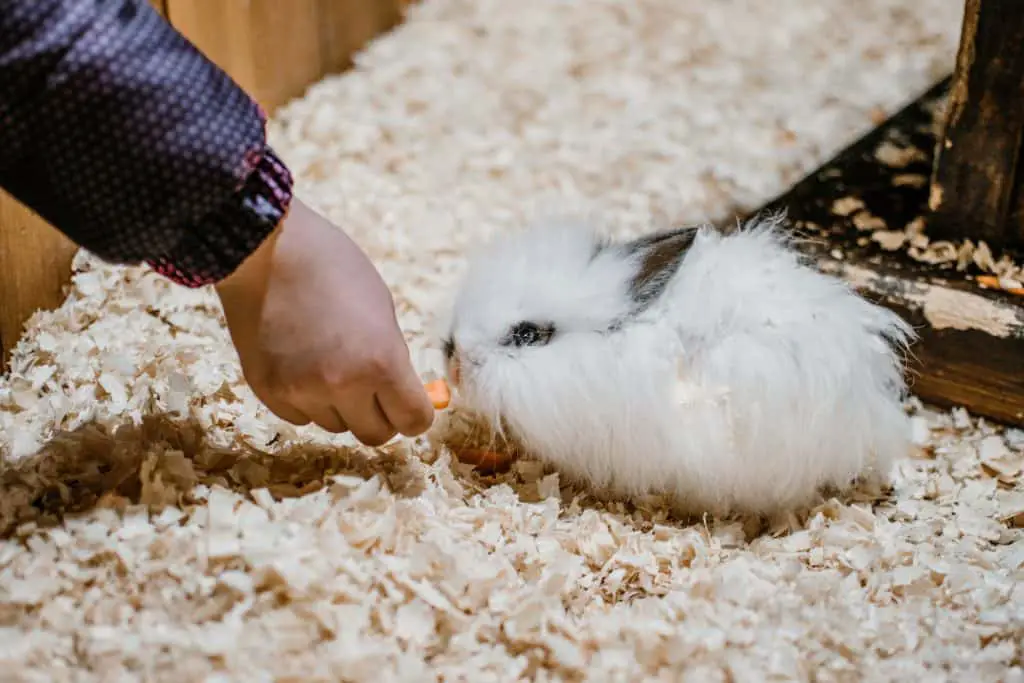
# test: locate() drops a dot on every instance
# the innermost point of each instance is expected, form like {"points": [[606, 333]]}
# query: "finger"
{"points": [[325, 416], [405, 401], [284, 410], [366, 420], [407, 407]]}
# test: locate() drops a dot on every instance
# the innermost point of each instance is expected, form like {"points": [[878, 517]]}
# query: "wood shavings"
{"points": [[866, 221], [1011, 285], [1004, 273], [160, 525], [1007, 275], [846, 206], [891, 240], [898, 156], [909, 180]]}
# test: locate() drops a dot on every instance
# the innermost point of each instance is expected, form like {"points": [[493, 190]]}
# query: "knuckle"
{"points": [[294, 392], [372, 369], [337, 376], [378, 364]]}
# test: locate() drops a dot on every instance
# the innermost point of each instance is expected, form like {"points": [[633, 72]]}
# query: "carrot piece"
{"points": [[486, 461], [991, 281], [439, 393], [988, 281]]}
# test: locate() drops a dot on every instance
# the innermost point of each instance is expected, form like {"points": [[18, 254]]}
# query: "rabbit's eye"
{"points": [[449, 348], [529, 334]]}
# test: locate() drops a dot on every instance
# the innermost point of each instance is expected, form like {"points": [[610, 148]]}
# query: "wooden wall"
{"points": [[276, 48], [273, 48]]}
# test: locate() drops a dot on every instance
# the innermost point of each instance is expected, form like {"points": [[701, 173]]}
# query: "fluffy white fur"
{"points": [[751, 383]]}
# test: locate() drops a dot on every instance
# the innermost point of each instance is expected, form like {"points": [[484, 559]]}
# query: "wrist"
{"points": [[249, 275], [227, 242]]}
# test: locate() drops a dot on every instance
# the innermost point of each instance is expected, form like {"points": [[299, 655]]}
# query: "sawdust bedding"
{"points": [[988, 269], [205, 541]]}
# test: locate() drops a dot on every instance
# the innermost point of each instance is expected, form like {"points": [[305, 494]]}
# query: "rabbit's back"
{"points": [[812, 373]]}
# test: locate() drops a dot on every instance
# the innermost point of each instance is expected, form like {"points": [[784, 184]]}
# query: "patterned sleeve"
{"points": [[118, 132]]}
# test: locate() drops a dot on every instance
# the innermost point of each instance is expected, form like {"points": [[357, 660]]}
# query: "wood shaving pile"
{"points": [[1005, 273], [1002, 273], [203, 540]]}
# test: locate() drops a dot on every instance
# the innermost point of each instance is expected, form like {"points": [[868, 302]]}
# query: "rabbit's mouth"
{"points": [[461, 368]]}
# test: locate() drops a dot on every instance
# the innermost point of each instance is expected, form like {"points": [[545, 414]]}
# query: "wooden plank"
{"points": [[160, 6], [348, 25], [971, 347], [270, 50], [35, 265], [276, 52], [978, 180]]}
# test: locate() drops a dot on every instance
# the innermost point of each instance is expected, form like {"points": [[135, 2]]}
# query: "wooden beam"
{"points": [[971, 347], [978, 180]]}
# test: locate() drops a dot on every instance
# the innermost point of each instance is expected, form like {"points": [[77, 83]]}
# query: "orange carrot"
{"points": [[988, 281], [991, 281], [439, 393], [485, 461]]}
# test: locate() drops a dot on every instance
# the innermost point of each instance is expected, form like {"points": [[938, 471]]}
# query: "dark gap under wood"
{"points": [[971, 347]]}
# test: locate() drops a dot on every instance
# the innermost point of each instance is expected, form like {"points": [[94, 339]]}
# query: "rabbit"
{"points": [[720, 371]]}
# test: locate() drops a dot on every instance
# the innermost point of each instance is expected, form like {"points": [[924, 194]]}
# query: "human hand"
{"points": [[315, 330]]}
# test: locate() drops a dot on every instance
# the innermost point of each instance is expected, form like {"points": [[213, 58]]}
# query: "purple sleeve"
{"points": [[118, 132]]}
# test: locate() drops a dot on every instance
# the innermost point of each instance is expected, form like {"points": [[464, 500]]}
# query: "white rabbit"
{"points": [[718, 370]]}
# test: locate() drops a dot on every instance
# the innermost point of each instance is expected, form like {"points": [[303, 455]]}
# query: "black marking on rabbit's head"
{"points": [[658, 257]]}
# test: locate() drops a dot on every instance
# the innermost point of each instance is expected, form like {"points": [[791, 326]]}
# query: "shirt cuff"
{"points": [[219, 243]]}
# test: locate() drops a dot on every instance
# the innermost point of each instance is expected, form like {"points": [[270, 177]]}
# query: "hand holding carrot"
{"points": [[315, 329]]}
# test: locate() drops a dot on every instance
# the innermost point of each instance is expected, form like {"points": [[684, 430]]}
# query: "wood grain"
{"points": [[346, 26], [978, 179], [276, 50], [960, 358], [35, 265]]}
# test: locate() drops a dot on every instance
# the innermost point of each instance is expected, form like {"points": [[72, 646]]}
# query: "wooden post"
{"points": [[274, 49], [977, 187]]}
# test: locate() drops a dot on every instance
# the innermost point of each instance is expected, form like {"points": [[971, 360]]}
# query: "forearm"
{"points": [[116, 130]]}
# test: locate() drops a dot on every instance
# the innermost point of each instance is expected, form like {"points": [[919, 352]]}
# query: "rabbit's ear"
{"points": [[658, 257]]}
